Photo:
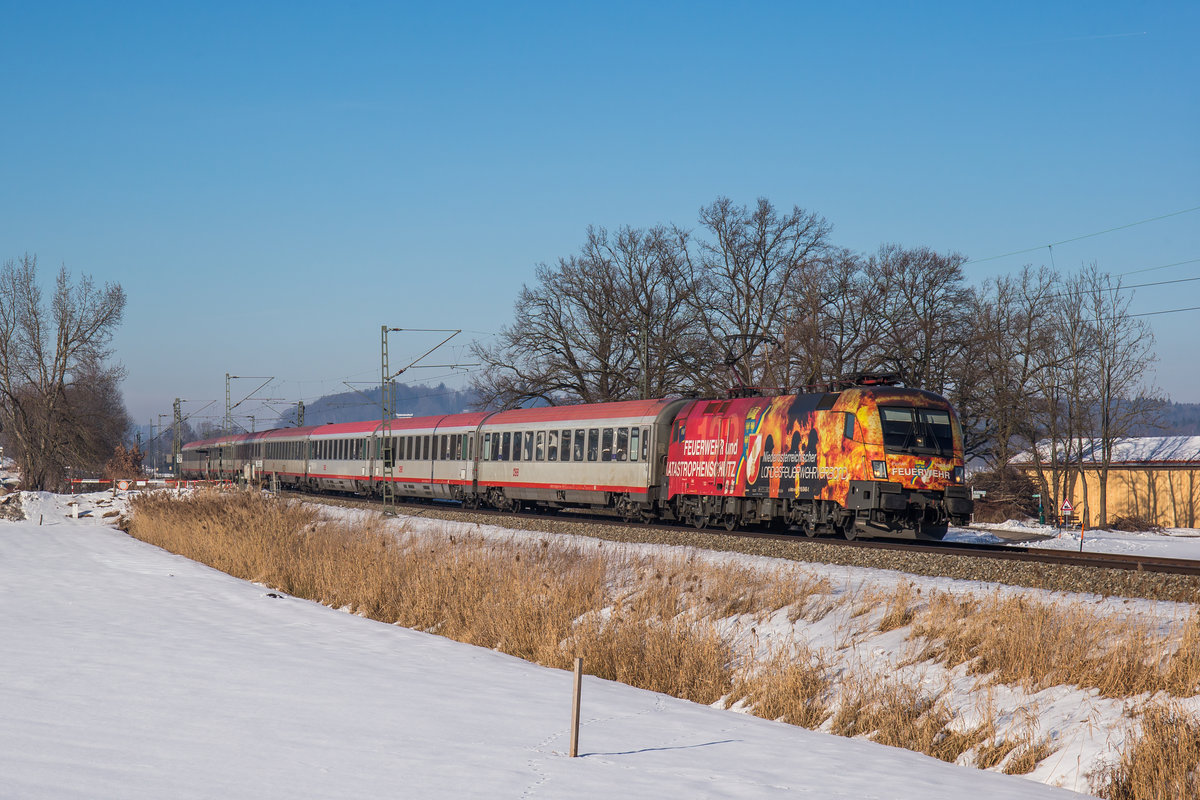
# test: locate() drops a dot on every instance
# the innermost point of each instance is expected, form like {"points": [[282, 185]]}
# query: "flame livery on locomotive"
{"points": [[868, 460]]}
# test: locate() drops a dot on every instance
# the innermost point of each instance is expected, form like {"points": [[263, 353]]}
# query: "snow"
{"points": [[130, 672], [1130, 450], [1168, 543]]}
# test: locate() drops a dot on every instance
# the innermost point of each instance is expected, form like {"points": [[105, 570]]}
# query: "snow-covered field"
{"points": [[130, 672]]}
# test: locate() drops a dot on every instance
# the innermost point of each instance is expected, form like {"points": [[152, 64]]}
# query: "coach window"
{"points": [[527, 451], [645, 444], [505, 444], [593, 444], [579, 446], [634, 438], [606, 445], [622, 451], [552, 446], [485, 453], [424, 447], [518, 438], [566, 445], [539, 450]]}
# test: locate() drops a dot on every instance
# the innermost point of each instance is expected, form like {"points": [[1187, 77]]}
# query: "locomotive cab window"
{"points": [[849, 432], [923, 431]]}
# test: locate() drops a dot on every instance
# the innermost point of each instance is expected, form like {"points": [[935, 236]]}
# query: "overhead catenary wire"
{"points": [[1052, 245]]}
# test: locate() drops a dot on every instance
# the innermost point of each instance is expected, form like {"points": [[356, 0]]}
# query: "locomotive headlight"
{"points": [[880, 470], [959, 476]]}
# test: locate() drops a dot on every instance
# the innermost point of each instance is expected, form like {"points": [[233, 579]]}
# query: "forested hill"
{"points": [[1175, 419], [419, 400]]}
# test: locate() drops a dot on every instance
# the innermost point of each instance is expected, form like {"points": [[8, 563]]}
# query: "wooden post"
{"points": [[575, 707]]}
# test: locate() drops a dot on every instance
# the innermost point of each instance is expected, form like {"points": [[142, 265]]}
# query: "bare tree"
{"points": [[924, 310], [1013, 334], [58, 397], [747, 274], [655, 299], [614, 322], [1120, 358]]}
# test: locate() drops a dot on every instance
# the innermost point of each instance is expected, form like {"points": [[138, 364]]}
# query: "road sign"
{"points": [[1067, 508]]}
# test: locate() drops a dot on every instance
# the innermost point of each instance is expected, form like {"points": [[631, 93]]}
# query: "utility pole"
{"points": [[158, 445], [176, 444], [229, 407], [387, 402], [300, 414]]}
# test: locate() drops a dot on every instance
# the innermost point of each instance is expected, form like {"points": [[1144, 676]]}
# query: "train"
{"points": [[867, 459]]}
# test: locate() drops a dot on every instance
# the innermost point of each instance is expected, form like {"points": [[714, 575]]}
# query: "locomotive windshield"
{"points": [[926, 431]]}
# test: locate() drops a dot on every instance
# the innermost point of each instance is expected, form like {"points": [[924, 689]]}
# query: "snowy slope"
{"points": [[132, 673]]}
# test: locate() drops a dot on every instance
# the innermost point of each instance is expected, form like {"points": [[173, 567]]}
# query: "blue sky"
{"points": [[272, 182]]}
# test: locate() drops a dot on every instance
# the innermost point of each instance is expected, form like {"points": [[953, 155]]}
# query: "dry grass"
{"points": [[902, 715], [900, 608], [665, 588], [1162, 762], [792, 687], [1036, 645]]}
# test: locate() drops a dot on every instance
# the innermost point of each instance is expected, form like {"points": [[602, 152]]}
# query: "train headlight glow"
{"points": [[958, 475], [879, 468]]}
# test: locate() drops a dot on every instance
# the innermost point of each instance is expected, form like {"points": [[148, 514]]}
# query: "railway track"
{"points": [[952, 559]]}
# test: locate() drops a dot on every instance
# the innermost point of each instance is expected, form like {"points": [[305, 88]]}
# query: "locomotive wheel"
{"points": [[731, 522], [699, 519], [849, 531], [807, 529]]}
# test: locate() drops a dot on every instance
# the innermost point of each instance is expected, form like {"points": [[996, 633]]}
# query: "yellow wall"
{"points": [[1167, 496]]}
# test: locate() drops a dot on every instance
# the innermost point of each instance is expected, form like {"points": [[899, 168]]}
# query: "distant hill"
{"points": [[1175, 419], [419, 400]]}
